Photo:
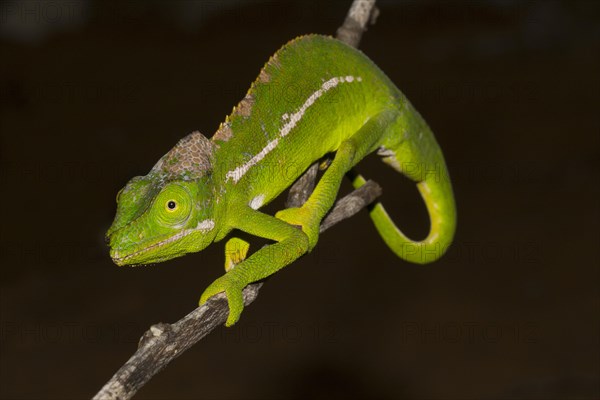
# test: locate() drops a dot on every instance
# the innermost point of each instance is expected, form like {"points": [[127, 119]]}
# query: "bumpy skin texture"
{"points": [[315, 96]]}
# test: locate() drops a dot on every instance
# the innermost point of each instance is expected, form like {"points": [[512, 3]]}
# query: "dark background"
{"points": [[93, 93]]}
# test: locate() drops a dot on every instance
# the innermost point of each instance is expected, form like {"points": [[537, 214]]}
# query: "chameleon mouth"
{"points": [[121, 257]]}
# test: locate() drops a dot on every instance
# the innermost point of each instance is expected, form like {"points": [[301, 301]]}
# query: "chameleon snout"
{"points": [[118, 256], [125, 255], [118, 252]]}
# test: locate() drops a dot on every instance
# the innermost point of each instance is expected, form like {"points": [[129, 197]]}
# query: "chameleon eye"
{"points": [[171, 205]]}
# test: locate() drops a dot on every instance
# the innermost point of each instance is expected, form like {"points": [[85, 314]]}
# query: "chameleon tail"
{"points": [[418, 157]]}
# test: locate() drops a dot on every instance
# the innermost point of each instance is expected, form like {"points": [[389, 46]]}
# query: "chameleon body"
{"points": [[315, 97]]}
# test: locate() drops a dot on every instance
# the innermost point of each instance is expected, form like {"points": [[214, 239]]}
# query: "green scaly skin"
{"points": [[314, 97]]}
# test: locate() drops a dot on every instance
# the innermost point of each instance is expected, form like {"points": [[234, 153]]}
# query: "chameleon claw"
{"points": [[235, 301], [233, 291]]}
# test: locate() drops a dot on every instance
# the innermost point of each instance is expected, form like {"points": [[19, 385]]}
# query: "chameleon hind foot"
{"points": [[304, 219]]}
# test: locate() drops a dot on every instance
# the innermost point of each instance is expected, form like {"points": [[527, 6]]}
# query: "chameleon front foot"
{"points": [[233, 291]]}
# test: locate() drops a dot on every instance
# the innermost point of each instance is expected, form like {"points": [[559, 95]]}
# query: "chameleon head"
{"points": [[168, 212]]}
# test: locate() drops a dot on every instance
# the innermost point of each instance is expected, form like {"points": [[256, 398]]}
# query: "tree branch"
{"points": [[361, 12], [163, 342]]}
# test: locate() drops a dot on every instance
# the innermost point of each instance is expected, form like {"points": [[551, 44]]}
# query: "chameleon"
{"points": [[315, 99]]}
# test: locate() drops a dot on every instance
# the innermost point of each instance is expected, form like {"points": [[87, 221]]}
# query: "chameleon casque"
{"points": [[316, 96]]}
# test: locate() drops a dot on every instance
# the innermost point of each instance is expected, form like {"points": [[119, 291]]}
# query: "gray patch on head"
{"points": [[191, 158]]}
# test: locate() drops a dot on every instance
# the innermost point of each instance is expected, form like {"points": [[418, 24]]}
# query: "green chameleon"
{"points": [[315, 97]]}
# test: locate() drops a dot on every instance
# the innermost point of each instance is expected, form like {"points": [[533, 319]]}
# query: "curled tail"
{"points": [[410, 148]]}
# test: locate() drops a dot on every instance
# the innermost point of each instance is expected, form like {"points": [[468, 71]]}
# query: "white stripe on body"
{"points": [[292, 120]]}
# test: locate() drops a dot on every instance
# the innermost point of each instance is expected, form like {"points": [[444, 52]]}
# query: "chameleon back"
{"points": [[311, 96]]}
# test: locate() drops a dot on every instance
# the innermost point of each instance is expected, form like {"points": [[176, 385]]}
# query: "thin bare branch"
{"points": [[303, 187], [351, 204], [360, 14], [164, 342]]}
